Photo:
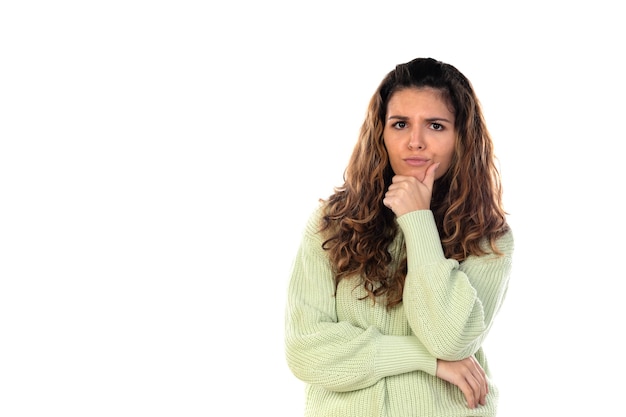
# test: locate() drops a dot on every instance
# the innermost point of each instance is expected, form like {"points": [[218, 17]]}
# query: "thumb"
{"points": [[429, 178]]}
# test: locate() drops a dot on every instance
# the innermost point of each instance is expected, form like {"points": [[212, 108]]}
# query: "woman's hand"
{"points": [[406, 193], [469, 376]]}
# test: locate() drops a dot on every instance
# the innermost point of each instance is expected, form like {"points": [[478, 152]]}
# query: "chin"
{"points": [[417, 173]]}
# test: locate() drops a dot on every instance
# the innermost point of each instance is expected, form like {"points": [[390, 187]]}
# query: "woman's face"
{"points": [[419, 131]]}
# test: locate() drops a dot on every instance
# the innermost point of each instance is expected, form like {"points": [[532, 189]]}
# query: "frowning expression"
{"points": [[419, 131]]}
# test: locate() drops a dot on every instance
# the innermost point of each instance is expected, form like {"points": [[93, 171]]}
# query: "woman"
{"points": [[402, 270]]}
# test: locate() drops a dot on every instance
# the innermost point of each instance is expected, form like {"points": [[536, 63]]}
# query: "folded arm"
{"points": [[451, 306], [335, 354]]}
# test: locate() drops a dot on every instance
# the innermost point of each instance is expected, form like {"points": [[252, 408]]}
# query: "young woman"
{"points": [[401, 271]]}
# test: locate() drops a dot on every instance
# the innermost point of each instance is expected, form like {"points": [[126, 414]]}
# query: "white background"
{"points": [[158, 161]]}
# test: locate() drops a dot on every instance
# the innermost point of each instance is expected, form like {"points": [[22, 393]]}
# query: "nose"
{"points": [[416, 140]]}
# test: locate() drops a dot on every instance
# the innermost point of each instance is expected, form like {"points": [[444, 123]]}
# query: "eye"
{"points": [[399, 125], [436, 126]]}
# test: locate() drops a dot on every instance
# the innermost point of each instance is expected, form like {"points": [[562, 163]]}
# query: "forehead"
{"points": [[420, 97]]}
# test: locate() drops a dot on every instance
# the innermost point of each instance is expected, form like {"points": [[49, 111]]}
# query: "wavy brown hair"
{"points": [[466, 200]]}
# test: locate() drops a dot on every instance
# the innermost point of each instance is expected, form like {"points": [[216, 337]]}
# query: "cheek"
{"points": [[446, 164], [441, 171], [394, 158], [395, 148]]}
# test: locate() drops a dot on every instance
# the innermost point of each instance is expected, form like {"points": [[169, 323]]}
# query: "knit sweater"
{"points": [[359, 359]]}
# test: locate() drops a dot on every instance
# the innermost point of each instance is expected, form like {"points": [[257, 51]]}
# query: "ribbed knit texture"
{"points": [[359, 360]]}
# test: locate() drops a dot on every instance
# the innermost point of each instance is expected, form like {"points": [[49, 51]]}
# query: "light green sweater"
{"points": [[360, 360]]}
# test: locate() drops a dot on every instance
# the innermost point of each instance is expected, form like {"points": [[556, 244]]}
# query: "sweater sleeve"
{"points": [[338, 355], [450, 305]]}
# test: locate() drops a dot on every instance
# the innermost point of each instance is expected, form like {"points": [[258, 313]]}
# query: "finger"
{"points": [[481, 377], [429, 177], [483, 388], [476, 389], [399, 178], [468, 392], [390, 200], [475, 380]]}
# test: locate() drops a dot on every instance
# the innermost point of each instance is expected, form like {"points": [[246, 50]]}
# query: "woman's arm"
{"points": [[451, 306], [338, 355]]}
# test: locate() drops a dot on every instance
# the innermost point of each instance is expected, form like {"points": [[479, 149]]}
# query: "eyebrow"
{"points": [[430, 119]]}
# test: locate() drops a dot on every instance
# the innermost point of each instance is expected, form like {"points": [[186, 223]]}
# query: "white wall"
{"points": [[158, 161]]}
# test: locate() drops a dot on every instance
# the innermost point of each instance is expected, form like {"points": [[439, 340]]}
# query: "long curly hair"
{"points": [[466, 201]]}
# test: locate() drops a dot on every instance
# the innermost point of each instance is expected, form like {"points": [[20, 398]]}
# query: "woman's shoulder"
{"points": [[315, 218], [504, 242]]}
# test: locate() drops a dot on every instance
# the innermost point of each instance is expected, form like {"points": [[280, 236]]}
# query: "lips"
{"points": [[416, 161]]}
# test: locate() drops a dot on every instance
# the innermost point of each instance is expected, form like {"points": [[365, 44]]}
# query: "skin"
{"points": [[419, 135]]}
